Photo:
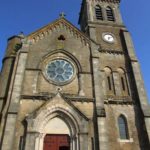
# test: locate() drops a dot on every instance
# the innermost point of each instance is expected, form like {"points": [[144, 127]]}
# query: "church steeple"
{"points": [[99, 12]]}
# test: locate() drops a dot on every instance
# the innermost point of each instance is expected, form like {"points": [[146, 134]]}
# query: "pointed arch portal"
{"points": [[60, 124], [57, 132]]}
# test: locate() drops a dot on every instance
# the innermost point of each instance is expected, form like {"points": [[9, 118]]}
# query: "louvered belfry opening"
{"points": [[110, 14], [98, 12]]}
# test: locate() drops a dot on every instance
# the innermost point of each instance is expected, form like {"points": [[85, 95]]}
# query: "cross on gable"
{"points": [[62, 14]]}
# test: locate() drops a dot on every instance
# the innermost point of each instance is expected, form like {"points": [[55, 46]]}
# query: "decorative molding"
{"points": [[117, 97], [108, 1], [116, 102], [61, 23], [57, 95], [77, 98], [105, 23], [42, 96], [119, 100], [112, 51], [48, 96]]}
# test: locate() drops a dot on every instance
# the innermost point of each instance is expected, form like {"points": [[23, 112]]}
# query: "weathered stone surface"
{"points": [[106, 84]]}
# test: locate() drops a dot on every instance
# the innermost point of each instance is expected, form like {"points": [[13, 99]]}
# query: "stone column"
{"points": [[73, 145], [77, 143], [31, 141], [39, 140], [83, 138], [104, 12], [103, 137]]}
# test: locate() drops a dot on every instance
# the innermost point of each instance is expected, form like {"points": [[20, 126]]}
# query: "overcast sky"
{"points": [[29, 15]]}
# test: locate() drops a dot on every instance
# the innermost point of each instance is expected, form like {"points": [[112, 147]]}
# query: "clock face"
{"points": [[108, 38], [59, 71]]}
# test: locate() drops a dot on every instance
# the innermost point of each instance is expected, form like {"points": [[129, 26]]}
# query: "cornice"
{"points": [[122, 100], [78, 98], [112, 51], [48, 96], [104, 23], [108, 1]]}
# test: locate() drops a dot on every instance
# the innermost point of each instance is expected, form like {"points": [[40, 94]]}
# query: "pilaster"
{"points": [[31, 140], [14, 100], [9, 132], [138, 81], [99, 106]]}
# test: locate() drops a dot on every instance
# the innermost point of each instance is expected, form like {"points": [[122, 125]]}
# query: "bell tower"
{"points": [[99, 12], [119, 88], [102, 21]]}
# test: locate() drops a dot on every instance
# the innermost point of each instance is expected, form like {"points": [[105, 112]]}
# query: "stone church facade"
{"points": [[62, 88]]}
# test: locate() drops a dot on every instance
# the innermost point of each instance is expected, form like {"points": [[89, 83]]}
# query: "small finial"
{"points": [[62, 15], [21, 34]]}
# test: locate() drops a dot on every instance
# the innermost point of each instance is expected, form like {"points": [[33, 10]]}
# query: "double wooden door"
{"points": [[56, 142]]}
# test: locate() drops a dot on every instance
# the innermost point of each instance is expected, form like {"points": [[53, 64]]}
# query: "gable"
{"points": [[58, 25], [49, 39]]}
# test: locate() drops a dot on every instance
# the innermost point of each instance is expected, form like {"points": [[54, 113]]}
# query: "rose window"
{"points": [[59, 71]]}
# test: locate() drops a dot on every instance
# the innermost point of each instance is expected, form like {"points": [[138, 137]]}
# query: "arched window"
{"points": [[98, 12], [110, 14], [123, 80], [123, 84], [109, 83], [123, 128], [109, 80]]}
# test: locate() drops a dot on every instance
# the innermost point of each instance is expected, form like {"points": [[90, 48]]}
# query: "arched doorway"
{"points": [[58, 120], [60, 125], [57, 135]]}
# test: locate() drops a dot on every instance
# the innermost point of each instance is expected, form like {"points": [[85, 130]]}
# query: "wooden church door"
{"points": [[56, 142]]}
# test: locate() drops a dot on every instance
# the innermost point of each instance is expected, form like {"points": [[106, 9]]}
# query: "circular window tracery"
{"points": [[59, 71]]}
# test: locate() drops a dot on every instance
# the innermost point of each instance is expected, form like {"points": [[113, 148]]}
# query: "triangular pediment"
{"points": [[58, 100], [57, 25]]}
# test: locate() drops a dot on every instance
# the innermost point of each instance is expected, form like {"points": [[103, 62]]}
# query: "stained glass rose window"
{"points": [[59, 71]]}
